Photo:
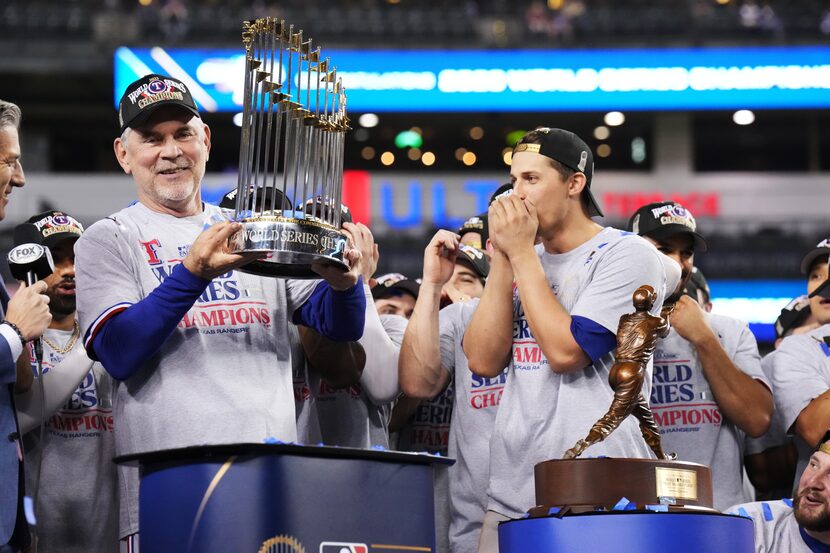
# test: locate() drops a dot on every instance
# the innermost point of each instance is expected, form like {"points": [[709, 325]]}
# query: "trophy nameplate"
{"points": [[676, 483]]}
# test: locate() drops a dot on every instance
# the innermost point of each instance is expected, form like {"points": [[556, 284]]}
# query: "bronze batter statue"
{"points": [[637, 337]]}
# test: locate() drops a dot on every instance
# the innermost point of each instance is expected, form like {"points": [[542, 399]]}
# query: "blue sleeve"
{"points": [[337, 315], [594, 339], [126, 341]]}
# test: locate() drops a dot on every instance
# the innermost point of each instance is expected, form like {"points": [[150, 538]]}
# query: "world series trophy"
{"points": [[293, 118]]}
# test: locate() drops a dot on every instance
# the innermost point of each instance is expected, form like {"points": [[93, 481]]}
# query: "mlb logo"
{"points": [[342, 547]]}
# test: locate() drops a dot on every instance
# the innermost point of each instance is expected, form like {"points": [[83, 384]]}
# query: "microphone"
{"points": [[31, 261]]}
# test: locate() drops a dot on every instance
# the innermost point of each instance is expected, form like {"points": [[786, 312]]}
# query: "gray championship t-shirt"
{"points": [[474, 415], [77, 502], [223, 376], [542, 414], [776, 530], [776, 435], [305, 407], [347, 417], [691, 423], [800, 373]]}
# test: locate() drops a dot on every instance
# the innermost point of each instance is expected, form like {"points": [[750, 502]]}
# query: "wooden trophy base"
{"points": [[600, 483]]}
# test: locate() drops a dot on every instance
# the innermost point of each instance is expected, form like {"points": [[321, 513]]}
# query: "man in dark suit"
{"points": [[24, 318]]}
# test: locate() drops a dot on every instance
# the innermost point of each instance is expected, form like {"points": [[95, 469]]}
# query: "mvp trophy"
{"points": [[582, 485], [294, 111]]}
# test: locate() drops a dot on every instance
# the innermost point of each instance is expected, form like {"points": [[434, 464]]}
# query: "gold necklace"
{"points": [[76, 333]]}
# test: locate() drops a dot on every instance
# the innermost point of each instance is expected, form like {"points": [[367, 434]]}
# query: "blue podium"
{"points": [[285, 499], [629, 532]]}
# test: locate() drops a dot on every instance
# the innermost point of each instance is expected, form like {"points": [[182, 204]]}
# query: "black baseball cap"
{"points": [[475, 259], [318, 208], [508, 186], [271, 194], [149, 93], [56, 226], [394, 284], [822, 248], [569, 150], [477, 224], [663, 219], [696, 282], [792, 315]]}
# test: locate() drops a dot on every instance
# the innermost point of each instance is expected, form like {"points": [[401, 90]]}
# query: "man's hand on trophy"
{"points": [[337, 278], [689, 321], [513, 224], [361, 239], [439, 258], [209, 256]]}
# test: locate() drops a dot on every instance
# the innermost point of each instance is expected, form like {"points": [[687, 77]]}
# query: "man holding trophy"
{"points": [[199, 349]]}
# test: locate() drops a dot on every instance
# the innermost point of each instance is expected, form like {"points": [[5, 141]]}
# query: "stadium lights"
{"points": [[368, 120], [743, 117], [409, 139], [614, 118]]}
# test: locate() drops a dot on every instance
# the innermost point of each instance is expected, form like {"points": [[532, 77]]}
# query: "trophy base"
{"points": [[290, 246], [588, 484]]}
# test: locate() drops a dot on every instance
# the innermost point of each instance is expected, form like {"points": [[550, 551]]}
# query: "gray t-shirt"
{"points": [[691, 423], [800, 373], [305, 407], [776, 530], [474, 415], [347, 417], [224, 375], [776, 435], [77, 502], [543, 413]]}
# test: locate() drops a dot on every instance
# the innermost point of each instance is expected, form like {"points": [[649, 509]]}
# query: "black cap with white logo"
{"points": [[149, 93], [821, 249], [664, 219], [569, 150], [475, 259]]}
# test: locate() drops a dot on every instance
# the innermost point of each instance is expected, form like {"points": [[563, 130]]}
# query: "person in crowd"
{"points": [[708, 388], [551, 312], [198, 350], [801, 365], [697, 288], [25, 317], [395, 294], [800, 524], [771, 460], [474, 231], [71, 465], [433, 362], [352, 401]]}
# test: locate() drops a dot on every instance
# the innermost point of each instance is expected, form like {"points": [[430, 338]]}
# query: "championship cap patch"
{"points": [[148, 94]]}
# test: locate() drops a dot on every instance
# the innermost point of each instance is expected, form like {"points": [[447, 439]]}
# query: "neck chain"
{"points": [[76, 333]]}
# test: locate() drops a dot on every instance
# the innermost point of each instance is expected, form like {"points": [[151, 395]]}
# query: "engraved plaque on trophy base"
{"points": [[587, 484], [290, 246]]}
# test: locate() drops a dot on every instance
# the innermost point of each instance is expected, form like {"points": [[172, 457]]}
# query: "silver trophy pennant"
{"points": [[293, 118]]}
